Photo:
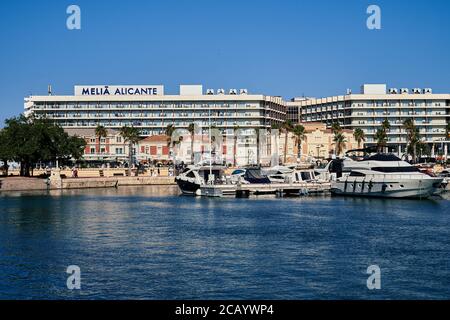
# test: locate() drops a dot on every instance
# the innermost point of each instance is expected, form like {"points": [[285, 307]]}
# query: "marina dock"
{"points": [[278, 189]]}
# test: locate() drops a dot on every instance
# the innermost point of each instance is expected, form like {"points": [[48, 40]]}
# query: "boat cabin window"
{"points": [[238, 171], [306, 176], [396, 169], [357, 174], [217, 175], [383, 157]]}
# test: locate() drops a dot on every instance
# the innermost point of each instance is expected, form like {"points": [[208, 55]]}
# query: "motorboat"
{"points": [[194, 176], [381, 175], [250, 175], [445, 174]]}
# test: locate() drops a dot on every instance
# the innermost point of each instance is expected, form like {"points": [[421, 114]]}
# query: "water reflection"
{"points": [[148, 242]]}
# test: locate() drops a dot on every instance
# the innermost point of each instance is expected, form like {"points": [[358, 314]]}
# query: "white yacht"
{"points": [[193, 177], [382, 175]]}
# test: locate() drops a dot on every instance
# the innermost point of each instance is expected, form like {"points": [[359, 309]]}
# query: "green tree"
{"points": [[170, 129], [340, 141], [359, 136], [381, 139], [100, 132], [381, 136], [386, 125], [412, 137], [191, 129], [300, 135], [31, 140], [5, 150], [336, 128], [131, 135]]}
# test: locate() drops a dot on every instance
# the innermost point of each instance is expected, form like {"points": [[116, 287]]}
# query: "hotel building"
{"points": [[149, 109], [368, 109]]}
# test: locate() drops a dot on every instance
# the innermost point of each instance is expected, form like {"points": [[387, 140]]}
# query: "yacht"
{"points": [[381, 175], [194, 176]]}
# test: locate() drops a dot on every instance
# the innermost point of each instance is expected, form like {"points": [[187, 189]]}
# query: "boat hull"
{"points": [[187, 187], [387, 189]]}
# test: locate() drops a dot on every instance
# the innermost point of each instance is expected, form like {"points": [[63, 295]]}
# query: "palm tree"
{"points": [[412, 137], [385, 125], [170, 129], [191, 130], [381, 138], [132, 136], [286, 128], [360, 136], [299, 133], [381, 135], [339, 140], [100, 132], [336, 127]]}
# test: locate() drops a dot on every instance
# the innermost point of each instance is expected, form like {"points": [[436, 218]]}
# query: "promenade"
{"points": [[87, 178]]}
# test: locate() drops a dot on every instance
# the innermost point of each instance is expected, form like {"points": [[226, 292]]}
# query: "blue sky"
{"points": [[288, 48]]}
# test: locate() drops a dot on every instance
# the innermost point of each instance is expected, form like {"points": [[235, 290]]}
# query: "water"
{"points": [[150, 243]]}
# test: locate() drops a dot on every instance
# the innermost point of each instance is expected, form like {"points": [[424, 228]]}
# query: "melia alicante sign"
{"points": [[146, 90]]}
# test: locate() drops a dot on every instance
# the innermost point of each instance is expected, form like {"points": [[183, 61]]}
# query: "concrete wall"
{"points": [[18, 184], [29, 184]]}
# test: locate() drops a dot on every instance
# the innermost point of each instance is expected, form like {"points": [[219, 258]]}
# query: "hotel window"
{"points": [[92, 150]]}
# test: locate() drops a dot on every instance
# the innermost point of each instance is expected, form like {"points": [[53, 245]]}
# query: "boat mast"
{"points": [[210, 142]]}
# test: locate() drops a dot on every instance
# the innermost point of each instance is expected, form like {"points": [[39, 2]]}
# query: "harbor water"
{"points": [[151, 243]]}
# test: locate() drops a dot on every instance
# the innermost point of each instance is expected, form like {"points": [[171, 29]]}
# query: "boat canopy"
{"points": [[254, 175]]}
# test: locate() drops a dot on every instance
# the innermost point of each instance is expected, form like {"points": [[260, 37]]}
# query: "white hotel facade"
{"points": [[375, 103], [149, 109]]}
